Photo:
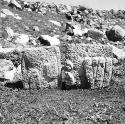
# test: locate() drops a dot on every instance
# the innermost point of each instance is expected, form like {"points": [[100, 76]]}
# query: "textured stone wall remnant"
{"points": [[41, 67], [98, 71], [91, 63]]}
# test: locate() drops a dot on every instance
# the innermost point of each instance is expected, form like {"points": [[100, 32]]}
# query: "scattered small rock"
{"points": [[55, 23], [35, 28]]}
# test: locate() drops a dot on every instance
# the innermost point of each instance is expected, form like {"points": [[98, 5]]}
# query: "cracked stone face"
{"points": [[92, 64], [98, 71]]}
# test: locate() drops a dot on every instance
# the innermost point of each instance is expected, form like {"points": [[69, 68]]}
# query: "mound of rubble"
{"points": [[44, 45]]}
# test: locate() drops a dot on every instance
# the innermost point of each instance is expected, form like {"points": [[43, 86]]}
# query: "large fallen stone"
{"points": [[116, 33], [76, 53], [43, 63], [10, 74], [73, 28], [98, 71]]}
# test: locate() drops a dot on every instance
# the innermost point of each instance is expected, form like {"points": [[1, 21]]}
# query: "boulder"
{"points": [[42, 10], [42, 63], [10, 64], [10, 74], [95, 34], [5, 67], [119, 53], [116, 33], [49, 41], [16, 4], [2, 15], [11, 54], [78, 32], [55, 23], [22, 39]]}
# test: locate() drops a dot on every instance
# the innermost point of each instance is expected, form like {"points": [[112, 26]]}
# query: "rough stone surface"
{"points": [[44, 64], [98, 71], [116, 33], [12, 55], [95, 34], [18, 74], [5, 66], [76, 53]]}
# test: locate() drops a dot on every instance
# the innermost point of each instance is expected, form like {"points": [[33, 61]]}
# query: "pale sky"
{"points": [[96, 4]]}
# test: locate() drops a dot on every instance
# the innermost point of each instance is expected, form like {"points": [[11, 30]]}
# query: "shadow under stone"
{"points": [[15, 85]]}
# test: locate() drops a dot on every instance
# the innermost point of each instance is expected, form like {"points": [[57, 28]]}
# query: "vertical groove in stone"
{"points": [[108, 72], [94, 66], [89, 70], [100, 73]]}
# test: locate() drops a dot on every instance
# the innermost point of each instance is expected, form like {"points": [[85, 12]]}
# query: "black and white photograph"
{"points": [[62, 62]]}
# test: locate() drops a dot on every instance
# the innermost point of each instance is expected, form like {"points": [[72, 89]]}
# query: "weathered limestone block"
{"points": [[41, 67], [94, 55], [98, 71]]}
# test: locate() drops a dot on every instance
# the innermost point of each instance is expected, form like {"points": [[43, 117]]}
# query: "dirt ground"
{"points": [[50, 106]]}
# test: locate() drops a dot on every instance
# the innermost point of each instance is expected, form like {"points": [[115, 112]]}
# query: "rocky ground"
{"points": [[54, 106]]}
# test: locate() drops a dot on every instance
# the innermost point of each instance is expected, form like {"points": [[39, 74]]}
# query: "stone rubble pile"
{"points": [[45, 62]]}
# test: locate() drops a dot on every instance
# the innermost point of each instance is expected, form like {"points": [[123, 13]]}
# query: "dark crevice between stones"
{"points": [[85, 84]]}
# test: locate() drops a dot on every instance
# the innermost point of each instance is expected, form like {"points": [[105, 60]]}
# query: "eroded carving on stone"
{"points": [[98, 71]]}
